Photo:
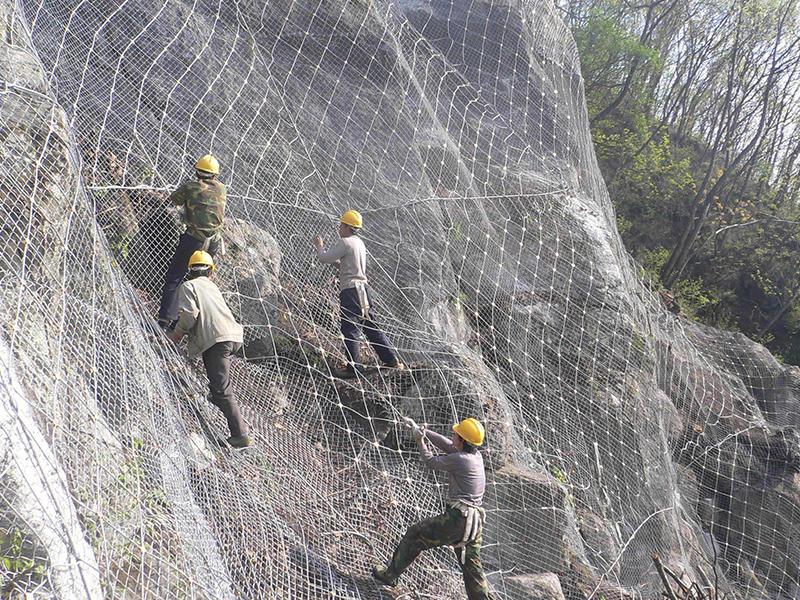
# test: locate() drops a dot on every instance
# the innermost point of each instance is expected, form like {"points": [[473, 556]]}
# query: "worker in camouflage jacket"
{"points": [[461, 524], [202, 202]]}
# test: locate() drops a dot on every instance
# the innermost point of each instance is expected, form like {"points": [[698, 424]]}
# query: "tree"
{"points": [[739, 119], [694, 108]]}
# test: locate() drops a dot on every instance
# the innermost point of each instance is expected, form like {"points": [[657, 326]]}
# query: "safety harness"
{"points": [[475, 516], [363, 298], [215, 240]]}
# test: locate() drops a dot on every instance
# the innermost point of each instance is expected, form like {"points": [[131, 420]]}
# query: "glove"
{"points": [[411, 424]]}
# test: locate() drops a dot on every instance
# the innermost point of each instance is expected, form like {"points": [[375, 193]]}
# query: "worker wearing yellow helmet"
{"points": [[215, 335], [355, 296], [202, 203], [461, 524]]}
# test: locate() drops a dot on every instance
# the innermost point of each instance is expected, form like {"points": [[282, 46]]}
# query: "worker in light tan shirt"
{"points": [[213, 333]]}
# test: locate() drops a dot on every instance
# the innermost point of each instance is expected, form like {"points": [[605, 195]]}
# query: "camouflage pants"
{"points": [[443, 530]]}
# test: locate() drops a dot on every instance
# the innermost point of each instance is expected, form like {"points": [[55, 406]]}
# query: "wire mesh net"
{"points": [[616, 430]]}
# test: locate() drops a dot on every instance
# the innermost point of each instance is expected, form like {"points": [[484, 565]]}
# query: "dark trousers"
{"points": [[352, 323], [178, 267], [217, 361], [443, 530]]}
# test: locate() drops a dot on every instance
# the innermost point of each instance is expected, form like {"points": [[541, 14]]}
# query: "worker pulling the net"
{"points": [[202, 204], [461, 525]]}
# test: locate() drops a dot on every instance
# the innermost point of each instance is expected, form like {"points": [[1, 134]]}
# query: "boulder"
{"points": [[542, 586], [536, 539], [249, 275]]}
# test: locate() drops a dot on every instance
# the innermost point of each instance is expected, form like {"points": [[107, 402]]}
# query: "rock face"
{"points": [[616, 429], [544, 586]]}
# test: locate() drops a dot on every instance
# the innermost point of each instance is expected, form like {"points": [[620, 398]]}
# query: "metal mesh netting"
{"points": [[616, 430]]}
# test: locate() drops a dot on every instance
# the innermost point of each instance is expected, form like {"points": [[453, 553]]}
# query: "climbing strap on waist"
{"points": [[215, 240], [363, 298], [475, 517]]}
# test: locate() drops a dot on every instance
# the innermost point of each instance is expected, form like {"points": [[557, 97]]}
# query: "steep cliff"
{"points": [[615, 429]]}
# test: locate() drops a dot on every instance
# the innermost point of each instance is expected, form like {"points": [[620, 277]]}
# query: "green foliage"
{"points": [[648, 178], [17, 565], [792, 321], [652, 261], [693, 297], [120, 246], [148, 175], [742, 271], [460, 300], [559, 474], [638, 342], [606, 47], [623, 225]]}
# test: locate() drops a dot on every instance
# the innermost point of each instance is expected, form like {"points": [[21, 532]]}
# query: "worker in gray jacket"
{"points": [[354, 296], [461, 525], [213, 333]]}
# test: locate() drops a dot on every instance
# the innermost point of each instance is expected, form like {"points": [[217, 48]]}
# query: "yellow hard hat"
{"points": [[200, 260], [470, 430], [207, 164], [352, 218]]}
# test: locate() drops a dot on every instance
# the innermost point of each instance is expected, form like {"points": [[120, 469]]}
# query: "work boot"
{"points": [[382, 574], [167, 325], [348, 372], [240, 441], [397, 366]]}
